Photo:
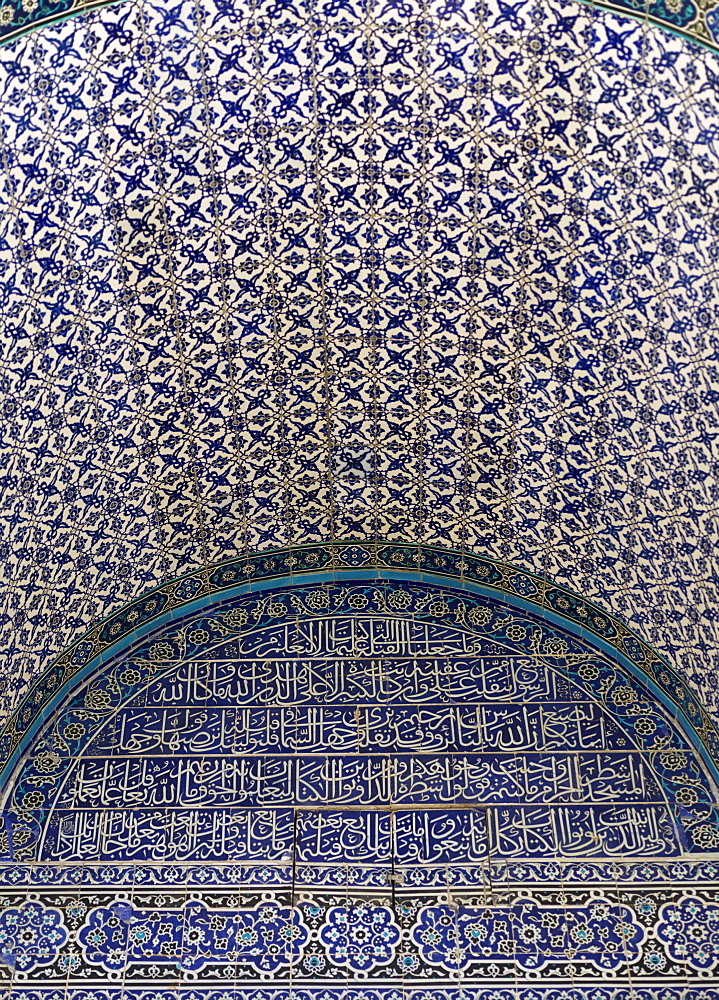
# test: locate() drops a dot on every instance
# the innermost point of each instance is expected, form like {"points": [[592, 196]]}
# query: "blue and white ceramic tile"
{"points": [[428, 272], [697, 21], [364, 785], [435, 278], [341, 700]]}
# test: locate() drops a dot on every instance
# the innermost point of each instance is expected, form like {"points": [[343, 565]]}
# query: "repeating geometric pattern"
{"points": [[417, 272], [363, 936], [691, 932], [30, 936], [697, 21]]}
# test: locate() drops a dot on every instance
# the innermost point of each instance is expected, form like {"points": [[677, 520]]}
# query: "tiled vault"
{"points": [[277, 274]]}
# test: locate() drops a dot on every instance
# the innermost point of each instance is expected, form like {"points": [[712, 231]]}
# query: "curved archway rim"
{"points": [[379, 560]]}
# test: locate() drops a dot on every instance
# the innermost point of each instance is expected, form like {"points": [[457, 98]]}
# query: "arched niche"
{"points": [[373, 771]]}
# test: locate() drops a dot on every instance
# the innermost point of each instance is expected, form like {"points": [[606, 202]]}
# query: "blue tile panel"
{"points": [[278, 274], [516, 591], [350, 722], [251, 931], [402, 782]]}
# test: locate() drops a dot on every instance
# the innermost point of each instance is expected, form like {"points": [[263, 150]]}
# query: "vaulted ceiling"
{"points": [[409, 271]]}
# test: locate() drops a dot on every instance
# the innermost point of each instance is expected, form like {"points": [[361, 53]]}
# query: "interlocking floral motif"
{"points": [[265, 938], [682, 16], [360, 937], [602, 933], [394, 273], [690, 932], [364, 936], [465, 991], [95, 933], [226, 876], [30, 936]]}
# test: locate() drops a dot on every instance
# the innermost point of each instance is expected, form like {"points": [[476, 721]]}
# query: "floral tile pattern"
{"points": [[359, 492], [405, 272], [403, 783], [321, 939], [697, 21]]}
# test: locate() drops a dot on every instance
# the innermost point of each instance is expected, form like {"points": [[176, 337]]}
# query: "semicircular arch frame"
{"points": [[212, 591], [318, 760]]}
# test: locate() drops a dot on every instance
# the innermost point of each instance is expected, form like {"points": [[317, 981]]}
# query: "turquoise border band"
{"points": [[336, 573]]}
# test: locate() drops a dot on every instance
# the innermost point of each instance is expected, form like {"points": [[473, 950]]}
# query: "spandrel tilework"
{"points": [[361, 789], [431, 273]]}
